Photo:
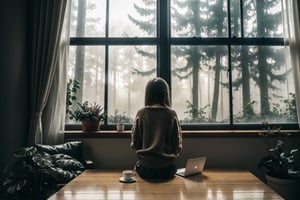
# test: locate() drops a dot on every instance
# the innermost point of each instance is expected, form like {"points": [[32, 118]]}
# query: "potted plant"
{"points": [[120, 119], [90, 114], [282, 165]]}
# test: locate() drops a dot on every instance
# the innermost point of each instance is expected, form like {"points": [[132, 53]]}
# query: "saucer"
{"points": [[122, 180]]}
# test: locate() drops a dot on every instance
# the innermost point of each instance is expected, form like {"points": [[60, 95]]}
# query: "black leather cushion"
{"points": [[73, 149]]}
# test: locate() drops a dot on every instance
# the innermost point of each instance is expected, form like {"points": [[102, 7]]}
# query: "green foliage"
{"points": [[247, 114], [119, 118], [284, 111], [281, 162], [25, 177], [195, 115], [88, 111], [72, 87], [289, 110]]}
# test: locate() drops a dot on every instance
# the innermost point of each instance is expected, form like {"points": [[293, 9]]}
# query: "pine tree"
{"points": [[204, 18], [240, 59], [260, 64], [269, 60], [86, 59], [196, 21], [80, 50], [147, 10]]}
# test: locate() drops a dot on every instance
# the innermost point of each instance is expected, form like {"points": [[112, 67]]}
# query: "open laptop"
{"points": [[193, 166]]}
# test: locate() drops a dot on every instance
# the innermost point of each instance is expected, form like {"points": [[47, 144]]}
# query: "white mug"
{"points": [[127, 174]]}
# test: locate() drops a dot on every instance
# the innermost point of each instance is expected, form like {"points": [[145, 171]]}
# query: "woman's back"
{"points": [[156, 136]]}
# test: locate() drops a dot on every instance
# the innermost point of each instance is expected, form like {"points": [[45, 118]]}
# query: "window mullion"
{"points": [[229, 66], [106, 62], [163, 50]]}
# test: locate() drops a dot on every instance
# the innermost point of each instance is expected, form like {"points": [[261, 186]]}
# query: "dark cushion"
{"points": [[73, 149]]}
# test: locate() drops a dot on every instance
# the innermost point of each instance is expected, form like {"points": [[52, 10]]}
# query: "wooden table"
{"points": [[212, 184]]}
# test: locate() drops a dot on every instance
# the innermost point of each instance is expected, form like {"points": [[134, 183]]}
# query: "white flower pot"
{"points": [[120, 127]]}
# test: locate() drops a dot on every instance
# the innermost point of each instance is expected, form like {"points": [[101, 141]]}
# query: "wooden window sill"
{"points": [[73, 134]]}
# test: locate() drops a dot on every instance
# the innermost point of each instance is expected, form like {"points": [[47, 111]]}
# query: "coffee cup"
{"points": [[127, 175]]}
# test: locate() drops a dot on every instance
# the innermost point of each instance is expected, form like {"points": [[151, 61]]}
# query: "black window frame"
{"points": [[163, 41]]}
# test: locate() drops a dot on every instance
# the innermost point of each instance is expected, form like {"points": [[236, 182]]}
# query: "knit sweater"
{"points": [[156, 136]]}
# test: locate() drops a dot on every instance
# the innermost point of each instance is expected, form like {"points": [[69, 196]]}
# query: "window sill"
{"points": [[73, 134]]}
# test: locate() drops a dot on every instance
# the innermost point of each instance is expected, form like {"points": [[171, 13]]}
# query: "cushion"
{"points": [[73, 149]]}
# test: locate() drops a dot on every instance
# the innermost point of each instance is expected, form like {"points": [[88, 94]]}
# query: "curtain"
{"points": [[292, 40], [45, 27], [54, 113]]}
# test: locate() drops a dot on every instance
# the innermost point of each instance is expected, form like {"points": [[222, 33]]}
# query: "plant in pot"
{"points": [[120, 119], [282, 165], [90, 114]]}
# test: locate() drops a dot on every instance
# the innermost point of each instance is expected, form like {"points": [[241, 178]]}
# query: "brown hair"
{"points": [[157, 92]]}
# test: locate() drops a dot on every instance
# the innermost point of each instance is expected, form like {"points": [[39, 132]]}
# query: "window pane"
{"points": [[199, 89], [87, 18], [197, 18], [86, 65], [262, 83], [263, 88], [132, 18], [235, 18], [262, 18], [130, 68]]}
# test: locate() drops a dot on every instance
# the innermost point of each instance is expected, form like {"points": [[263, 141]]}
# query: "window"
{"points": [[225, 60]]}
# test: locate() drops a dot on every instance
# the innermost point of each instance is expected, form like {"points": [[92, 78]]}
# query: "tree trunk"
{"points": [[247, 106], [262, 64], [80, 50]]}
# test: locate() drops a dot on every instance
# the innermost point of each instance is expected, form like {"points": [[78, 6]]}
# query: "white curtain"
{"points": [[46, 23], [292, 40], [54, 113]]}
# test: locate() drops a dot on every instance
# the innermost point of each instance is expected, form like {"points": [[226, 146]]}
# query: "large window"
{"points": [[225, 60]]}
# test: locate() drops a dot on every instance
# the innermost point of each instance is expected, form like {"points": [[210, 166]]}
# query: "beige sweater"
{"points": [[156, 136]]}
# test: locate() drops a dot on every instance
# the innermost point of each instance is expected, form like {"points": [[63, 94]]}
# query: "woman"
{"points": [[156, 133]]}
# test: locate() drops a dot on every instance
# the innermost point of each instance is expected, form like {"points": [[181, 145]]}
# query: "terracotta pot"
{"points": [[287, 188], [88, 125]]}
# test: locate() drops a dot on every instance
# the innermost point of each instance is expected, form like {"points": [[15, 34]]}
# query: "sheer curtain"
{"points": [[292, 40], [54, 113], [46, 23]]}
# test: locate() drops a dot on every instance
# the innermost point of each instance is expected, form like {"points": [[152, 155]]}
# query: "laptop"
{"points": [[193, 166]]}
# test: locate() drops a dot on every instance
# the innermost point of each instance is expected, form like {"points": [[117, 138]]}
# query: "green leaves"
{"points": [[72, 87], [281, 163], [88, 111]]}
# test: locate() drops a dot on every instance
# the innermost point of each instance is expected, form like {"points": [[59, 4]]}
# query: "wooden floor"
{"points": [[213, 184]]}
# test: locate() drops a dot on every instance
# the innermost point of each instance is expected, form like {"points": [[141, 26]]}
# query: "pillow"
{"points": [[73, 149]]}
